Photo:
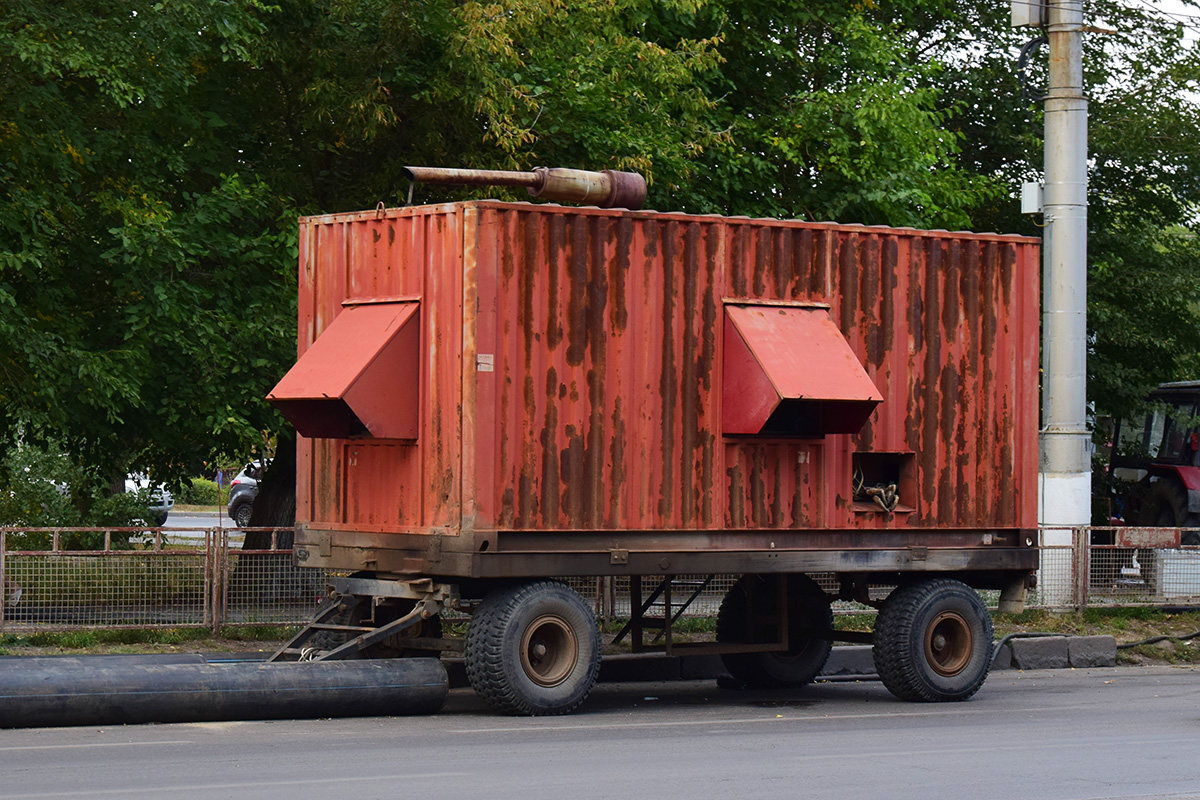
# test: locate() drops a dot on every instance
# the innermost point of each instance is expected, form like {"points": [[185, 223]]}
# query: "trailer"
{"points": [[492, 397]]}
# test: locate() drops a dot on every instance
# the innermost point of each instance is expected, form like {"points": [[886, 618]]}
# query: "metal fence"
{"points": [[1090, 567], [172, 578], [139, 578]]}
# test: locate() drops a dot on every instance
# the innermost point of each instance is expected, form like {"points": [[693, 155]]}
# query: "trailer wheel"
{"points": [[533, 649], [933, 641], [747, 615]]}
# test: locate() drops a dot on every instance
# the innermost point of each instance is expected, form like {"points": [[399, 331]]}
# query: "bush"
{"points": [[34, 489], [201, 492], [43, 488]]}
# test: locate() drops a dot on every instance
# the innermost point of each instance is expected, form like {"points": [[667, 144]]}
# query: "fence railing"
{"points": [[141, 578], [1117, 566], [173, 578]]}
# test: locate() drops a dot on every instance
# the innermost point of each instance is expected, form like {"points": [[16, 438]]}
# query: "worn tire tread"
{"points": [[893, 638], [486, 664], [752, 669]]}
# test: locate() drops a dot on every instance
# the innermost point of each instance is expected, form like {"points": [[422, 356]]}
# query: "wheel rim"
{"points": [[549, 650], [949, 643]]}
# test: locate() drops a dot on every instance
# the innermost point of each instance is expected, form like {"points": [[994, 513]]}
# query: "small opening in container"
{"points": [[883, 482]]}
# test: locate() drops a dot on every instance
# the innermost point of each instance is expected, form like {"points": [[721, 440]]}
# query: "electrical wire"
{"points": [[1027, 94], [1157, 639], [1187, 20]]}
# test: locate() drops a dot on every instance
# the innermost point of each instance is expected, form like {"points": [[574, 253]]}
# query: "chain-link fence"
{"points": [[140, 578], [206, 578]]}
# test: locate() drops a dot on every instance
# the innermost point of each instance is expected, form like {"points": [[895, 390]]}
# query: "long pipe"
{"points": [[108, 691], [607, 189]]}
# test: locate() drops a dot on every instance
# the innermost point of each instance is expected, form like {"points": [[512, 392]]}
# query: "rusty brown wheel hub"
{"points": [[949, 643], [549, 651]]}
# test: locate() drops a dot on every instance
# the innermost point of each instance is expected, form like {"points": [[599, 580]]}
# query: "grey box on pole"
{"points": [[1031, 198], [1028, 13]]}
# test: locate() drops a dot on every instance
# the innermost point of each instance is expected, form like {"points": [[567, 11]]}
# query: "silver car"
{"points": [[161, 501]]}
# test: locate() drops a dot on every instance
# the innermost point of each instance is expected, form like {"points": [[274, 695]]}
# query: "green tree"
{"points": [[152, 163], [42, 487], [832, 114], [1144, 123], [144, 286]]}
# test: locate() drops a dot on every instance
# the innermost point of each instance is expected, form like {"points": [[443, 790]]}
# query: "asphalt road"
{"points": [[196, 520], [1061, 735]]}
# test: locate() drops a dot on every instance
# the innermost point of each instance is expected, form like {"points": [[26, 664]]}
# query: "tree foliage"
{"points": [[1141, 77], [831, 115], [144, 285], [42, 487], [152, 162]]}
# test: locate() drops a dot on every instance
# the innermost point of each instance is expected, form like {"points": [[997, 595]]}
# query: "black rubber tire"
{"points": [[913, 620], [533, 649], [1166, 507], [747, 615], [240, 514]]}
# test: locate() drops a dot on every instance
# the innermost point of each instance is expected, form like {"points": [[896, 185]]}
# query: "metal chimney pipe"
{"points": [[607, 189]]}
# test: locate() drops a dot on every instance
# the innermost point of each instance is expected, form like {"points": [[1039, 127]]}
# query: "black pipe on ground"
{"points": [[61, 692], [90, 661]]}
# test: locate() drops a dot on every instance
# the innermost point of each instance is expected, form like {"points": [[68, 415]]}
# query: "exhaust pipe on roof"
{"points": [[607, 189]]}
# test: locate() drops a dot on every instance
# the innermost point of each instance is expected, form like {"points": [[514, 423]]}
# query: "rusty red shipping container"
{"points": [[490, 388]]}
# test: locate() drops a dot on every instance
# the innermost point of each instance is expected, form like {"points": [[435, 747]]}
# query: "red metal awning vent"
{"points": [[359, 377], [788, 371]]}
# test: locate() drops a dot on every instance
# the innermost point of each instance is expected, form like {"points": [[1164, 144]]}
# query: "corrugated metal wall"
{"points": [[388, 485], [574, 365]]}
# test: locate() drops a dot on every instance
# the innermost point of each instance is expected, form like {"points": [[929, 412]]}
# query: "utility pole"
{"points": [[1065, 482]]}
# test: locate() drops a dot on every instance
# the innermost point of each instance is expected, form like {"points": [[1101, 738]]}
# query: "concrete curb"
{"points": [[1061, 652]]}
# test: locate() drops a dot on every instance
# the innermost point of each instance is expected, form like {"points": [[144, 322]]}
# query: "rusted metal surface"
{"points": [[387, 482], [1148, 537], [607, 189], [571, 378], [879, 554], [472, 177]]}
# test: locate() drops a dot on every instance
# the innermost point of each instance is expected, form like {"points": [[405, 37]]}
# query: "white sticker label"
{"points": [[486, 362]]}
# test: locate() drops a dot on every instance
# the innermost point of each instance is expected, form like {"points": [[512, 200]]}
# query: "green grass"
{"points": [[141, 640], [1118, 622]]}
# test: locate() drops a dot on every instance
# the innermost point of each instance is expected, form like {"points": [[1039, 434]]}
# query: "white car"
{"points": [[161, 501]]}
